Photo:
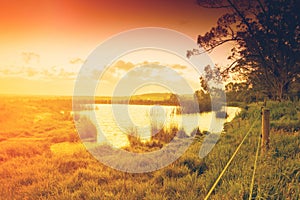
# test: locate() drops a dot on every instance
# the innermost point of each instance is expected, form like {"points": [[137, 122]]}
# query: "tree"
{"points": [[266, 36]]}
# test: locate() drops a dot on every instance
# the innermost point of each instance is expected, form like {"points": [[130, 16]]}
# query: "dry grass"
{"points": [[43, 159]]}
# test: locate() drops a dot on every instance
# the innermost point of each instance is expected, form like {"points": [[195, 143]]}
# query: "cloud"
{"points": [[10, 72], [179, 67], [114, 71], [76, 61], [66, 75], [23, 71], [127, 73], [30, 57], [31, 72], [34, 73], [151, 74], [60, 74], [120, 68], [121, 65]]}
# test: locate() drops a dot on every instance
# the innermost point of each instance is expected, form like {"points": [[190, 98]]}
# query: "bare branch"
{"points": [[261, 6], [216, 7], [211, 4]]}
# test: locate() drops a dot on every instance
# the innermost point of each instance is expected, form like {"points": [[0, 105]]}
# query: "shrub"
{"points": [[194, 165], [175, 172], [87, 129]]}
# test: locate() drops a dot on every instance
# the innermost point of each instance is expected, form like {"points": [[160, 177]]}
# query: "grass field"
{"points": [[41, 157]]}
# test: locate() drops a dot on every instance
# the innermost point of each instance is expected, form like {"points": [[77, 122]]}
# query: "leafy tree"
{"points": [[266, 36]]}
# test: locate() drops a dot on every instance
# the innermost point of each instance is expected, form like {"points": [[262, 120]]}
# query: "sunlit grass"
{"points": [[67, 148], [44, 159]]}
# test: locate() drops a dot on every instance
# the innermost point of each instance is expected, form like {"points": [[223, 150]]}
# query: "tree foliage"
{"points": [[266, 36]]}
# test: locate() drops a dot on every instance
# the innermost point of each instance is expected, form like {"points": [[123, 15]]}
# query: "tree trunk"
{"points": [[280, 92]]}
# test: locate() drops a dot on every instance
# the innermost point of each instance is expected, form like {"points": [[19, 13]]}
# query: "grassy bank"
{"points": [[41, 157]]}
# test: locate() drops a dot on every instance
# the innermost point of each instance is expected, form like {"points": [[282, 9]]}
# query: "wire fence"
{"points": [[231, 159]]}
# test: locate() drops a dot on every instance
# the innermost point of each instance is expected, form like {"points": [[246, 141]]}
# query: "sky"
{"points": [[45, 43]]}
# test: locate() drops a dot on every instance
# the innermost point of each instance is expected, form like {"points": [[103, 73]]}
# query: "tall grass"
{"points": [[158, 139], [30, 170]]}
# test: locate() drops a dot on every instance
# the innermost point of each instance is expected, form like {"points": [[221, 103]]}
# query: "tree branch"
{"points": [[211, 5]]}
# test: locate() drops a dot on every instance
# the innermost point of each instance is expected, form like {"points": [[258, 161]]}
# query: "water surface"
{"points": [[117, 120]]}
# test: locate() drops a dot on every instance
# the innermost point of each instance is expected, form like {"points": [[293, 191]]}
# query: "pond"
{"points": [[115, 121]]}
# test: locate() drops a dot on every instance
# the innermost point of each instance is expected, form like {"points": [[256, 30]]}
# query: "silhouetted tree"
{"points": [[266, 34]]}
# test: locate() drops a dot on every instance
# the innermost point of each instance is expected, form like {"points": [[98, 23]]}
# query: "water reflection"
{"points": [[145, 120]]}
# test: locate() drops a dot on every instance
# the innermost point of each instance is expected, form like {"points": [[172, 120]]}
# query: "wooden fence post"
{"points": [[265, 101], [265, 129]]}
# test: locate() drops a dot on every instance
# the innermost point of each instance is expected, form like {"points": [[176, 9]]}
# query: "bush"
{"points": [[194, 165], [176, 172], [86, 129]]}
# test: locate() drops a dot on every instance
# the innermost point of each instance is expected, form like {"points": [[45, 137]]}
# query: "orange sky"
{"points": [[44, 43]]}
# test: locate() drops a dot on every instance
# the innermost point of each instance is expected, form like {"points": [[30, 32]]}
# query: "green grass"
{"points": [[29, 169]]}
